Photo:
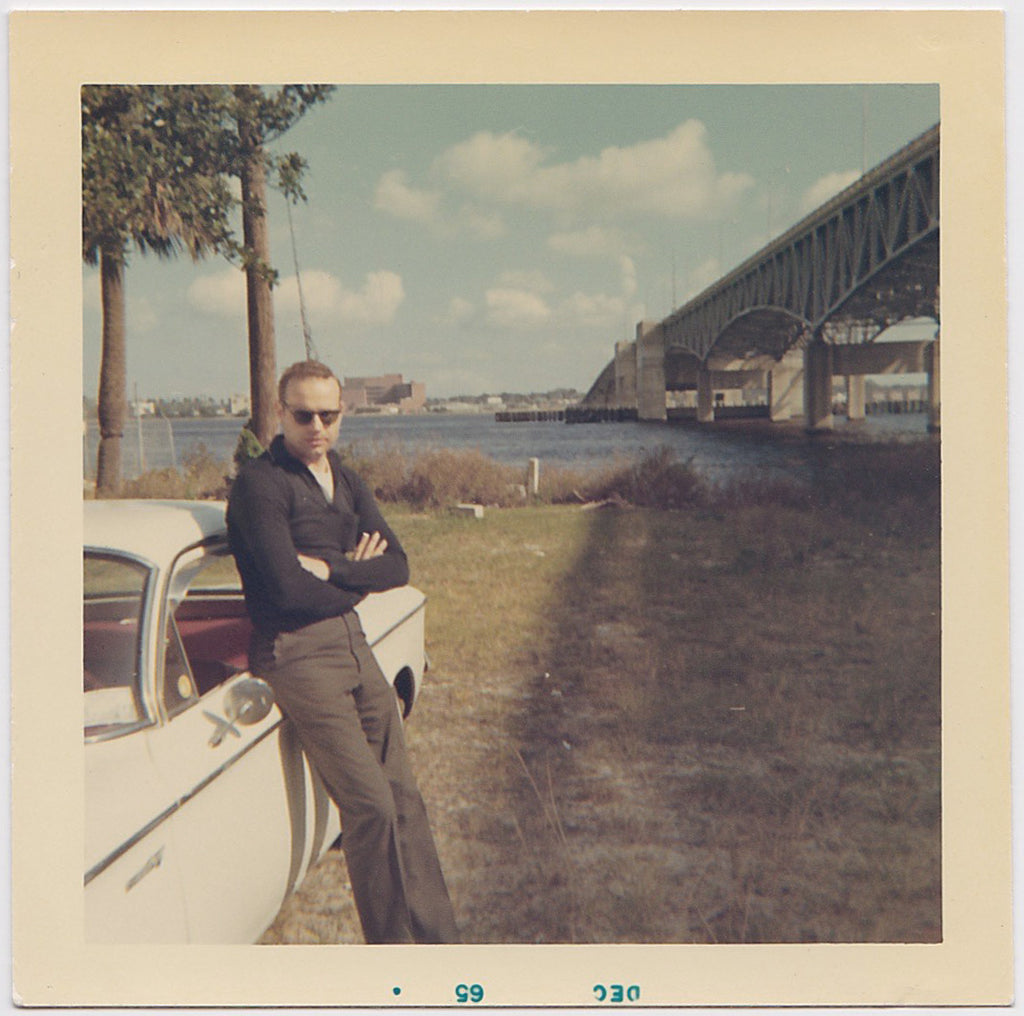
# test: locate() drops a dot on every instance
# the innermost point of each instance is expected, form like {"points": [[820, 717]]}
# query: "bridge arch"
{"points": [[756, 337]]}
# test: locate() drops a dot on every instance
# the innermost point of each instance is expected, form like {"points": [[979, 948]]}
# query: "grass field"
{"points": [[719, 723]]}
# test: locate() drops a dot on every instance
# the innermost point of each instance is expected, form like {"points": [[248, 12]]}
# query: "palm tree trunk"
{"points": [[259, 301], [113, 376]]}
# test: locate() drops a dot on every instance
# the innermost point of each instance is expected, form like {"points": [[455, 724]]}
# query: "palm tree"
{"points": [[152, 179], [261, 116]]}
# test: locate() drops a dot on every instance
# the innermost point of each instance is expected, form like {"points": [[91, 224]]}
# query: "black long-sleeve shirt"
{"points": [[276, 511]]}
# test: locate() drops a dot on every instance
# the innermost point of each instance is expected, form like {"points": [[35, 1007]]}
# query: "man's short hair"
{"points": [[301, 371]]}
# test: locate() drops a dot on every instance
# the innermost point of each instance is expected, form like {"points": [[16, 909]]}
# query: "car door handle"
{"points": [[223, 727], [151, 865]]}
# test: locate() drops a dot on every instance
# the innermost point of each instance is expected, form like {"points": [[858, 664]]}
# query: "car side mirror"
{"points": [[248, 701]]}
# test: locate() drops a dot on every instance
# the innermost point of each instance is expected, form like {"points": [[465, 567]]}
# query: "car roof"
{"points": [[154, 530]]}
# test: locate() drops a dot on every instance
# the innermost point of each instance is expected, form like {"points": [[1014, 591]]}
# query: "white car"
{"points": [[201, 812]]}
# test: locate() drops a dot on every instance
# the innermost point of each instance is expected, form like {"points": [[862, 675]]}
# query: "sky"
{"points": [[502, 238]]}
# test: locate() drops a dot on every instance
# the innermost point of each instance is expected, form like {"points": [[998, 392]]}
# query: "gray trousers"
{"points": [[329, 685]]}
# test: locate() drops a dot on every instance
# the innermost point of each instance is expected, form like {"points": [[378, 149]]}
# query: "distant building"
{"points": [[239, 405], [387, 392]]}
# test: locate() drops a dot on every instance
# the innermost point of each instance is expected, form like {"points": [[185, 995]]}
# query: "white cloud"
{"points": [[491, 164], [674, 175], [395, 196], [528, 299], [321, 292], [828, 186], [221, 295], [515, 308], [376, 302]]}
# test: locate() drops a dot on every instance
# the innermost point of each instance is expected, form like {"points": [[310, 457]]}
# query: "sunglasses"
{"points": [[304, 417]]}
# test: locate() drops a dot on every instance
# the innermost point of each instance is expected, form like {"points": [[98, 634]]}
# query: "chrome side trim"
{"points": [[101, 866], [120, 731], [151, 865]]}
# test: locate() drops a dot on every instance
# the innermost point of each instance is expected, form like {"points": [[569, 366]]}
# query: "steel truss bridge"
{"points": [[865, 260]]}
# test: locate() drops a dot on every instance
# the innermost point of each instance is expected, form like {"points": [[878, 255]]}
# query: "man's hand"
{"points": [[315, 566], [369, 546]]}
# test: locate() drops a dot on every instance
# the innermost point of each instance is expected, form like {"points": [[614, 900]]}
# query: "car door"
{"points": [[133, 890], [248, 816]]}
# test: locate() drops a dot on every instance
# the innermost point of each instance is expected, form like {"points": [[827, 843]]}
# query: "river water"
{"points": [[718, 451]]}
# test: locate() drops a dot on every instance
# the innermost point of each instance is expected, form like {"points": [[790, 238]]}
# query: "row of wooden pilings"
{"points": [[571, 414]]}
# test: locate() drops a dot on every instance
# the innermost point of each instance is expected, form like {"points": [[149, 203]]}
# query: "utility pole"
{"points": [[863, 129], [138, 428]]}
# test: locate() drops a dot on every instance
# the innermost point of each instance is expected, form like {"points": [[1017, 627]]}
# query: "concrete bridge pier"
{"points": [[818, 385], [625, 374], [785, 388], [705, 396], [931, 360], [650, 371], [855, 389]]}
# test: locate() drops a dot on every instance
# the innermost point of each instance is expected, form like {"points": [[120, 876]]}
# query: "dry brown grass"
{"points": [[715, 724]]}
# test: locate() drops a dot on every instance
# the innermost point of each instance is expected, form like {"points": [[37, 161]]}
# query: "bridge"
{"points": [[804, 309]]}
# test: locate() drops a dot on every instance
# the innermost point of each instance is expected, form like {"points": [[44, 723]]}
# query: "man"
{"points": [[310, 542]]}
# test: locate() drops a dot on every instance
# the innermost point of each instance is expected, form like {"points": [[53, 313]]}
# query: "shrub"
{"points": [[434, 477], [205, 476], [247, 448], [655, 480], [383, 466], [659, 481], [868, 479], [442, 477]]}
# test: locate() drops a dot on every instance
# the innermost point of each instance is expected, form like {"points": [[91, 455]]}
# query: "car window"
{"points": [[207, 629], [179, 684], [114, 591]]}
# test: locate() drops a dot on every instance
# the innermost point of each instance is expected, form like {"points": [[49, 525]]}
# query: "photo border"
{"points": [[53, 53]]}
